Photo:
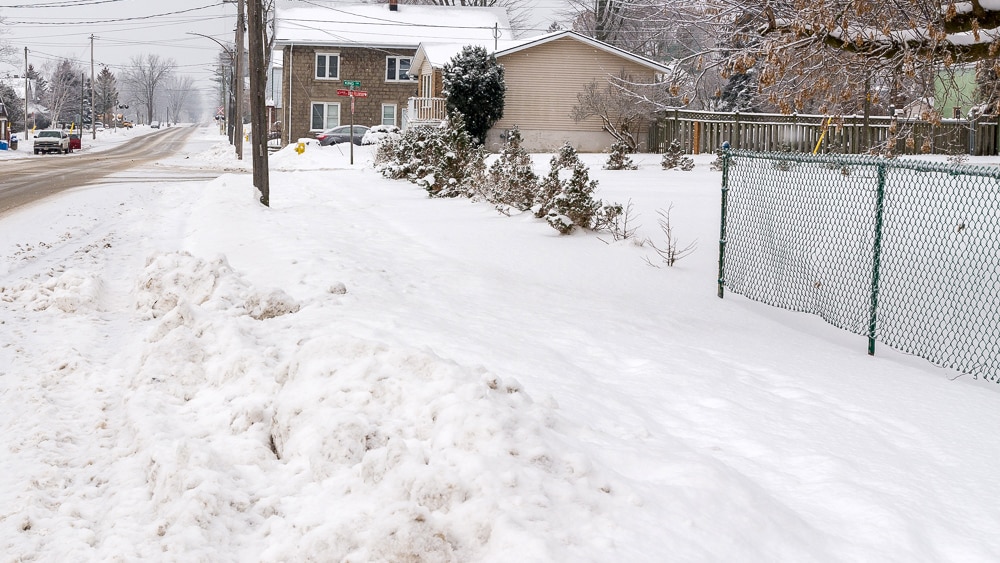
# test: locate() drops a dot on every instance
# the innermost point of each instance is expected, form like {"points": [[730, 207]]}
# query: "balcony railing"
{"points": [[426, 110]]}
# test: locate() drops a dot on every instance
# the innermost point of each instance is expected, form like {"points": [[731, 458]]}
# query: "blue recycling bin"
{"points": [[3, 145]]}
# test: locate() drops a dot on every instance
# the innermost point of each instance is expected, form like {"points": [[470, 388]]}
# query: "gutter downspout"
{"points": [[288, 128]]}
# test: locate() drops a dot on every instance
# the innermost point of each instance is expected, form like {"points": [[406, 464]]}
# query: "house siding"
{"points": [[356, 63], [542, 87]]}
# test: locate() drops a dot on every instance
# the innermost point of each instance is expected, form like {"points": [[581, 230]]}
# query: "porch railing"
{"points": [[424, 110]]}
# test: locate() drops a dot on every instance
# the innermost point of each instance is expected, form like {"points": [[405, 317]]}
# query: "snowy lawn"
{"points": [[361, 373]]}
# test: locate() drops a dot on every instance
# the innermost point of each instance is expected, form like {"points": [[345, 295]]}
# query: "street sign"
{"points": [[343, 92], [352, 83], [359, 93]]}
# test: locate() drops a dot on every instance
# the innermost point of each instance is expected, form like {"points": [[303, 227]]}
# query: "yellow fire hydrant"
{"points": [[300, 148]]}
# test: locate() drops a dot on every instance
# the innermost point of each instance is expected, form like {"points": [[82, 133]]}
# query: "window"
{"points": [[396, 69], [327, 66], [388, 114], [324, 116], [425, 89]]}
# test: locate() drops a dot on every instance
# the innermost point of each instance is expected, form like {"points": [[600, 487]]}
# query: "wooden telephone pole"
{"points": [[238, 82], [258, 107]]}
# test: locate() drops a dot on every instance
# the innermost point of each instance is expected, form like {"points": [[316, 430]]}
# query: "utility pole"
{"points": [[93, 121], [258, 109], [83, 86], [239, 79], [25, 93]]}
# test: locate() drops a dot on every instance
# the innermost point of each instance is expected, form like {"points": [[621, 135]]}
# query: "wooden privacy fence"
{"points": [[704, 132]]}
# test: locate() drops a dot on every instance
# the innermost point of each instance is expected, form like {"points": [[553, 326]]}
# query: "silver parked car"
{"points": [[341, 135]]}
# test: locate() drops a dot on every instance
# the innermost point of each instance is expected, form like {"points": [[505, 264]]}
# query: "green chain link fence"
{"points": [[904, 252]]}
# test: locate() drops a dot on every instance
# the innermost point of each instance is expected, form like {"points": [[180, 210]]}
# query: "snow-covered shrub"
{"points": [[445, 160], [575, 205], [674, 157], [717, 163], [565, 195], [551, 184], [616, 219], [619, 158], [403, 158], [511, 181], [380, 133], [455, 163]]}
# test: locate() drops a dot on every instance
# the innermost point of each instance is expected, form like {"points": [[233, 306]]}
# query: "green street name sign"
{"points": [[352, 83]]}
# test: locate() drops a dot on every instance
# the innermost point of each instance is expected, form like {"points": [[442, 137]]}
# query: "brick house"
{"points": [[322, 46]]}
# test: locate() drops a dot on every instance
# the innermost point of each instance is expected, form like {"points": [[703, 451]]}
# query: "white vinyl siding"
{"points": [[534, 100]]}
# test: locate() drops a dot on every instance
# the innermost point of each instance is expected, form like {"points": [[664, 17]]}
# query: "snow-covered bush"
{"points": [[512, 182], [565, 195], [403, 158], [380, 133], [674, 157], [551, 184], [619, 158], [445, 160], [455, 163], [575, 206]]}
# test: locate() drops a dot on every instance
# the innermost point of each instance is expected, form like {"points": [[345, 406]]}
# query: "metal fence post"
{"points": [[876, 256], [726, 158]]}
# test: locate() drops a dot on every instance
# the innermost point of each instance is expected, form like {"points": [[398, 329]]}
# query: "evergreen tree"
{"points": [[565, 195], [105, 93], [512, 182], [575, 205], [674, 158], [619, 158], [41, 85], [740, 93], [551, 185], [474, 87], [14, 105]]}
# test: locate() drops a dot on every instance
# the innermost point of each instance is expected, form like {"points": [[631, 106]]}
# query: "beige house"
{"points": [[327, 50], [544, 75]]}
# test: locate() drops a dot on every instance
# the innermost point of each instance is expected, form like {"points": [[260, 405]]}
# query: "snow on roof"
{"points": [[375, 25], [541, 39], [440, 53]]}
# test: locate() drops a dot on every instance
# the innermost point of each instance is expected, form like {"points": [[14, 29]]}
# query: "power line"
{"points": [[116, 20]]}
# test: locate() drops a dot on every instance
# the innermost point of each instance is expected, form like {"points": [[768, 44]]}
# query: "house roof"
{"points": [[374, 25], [440, 53]]}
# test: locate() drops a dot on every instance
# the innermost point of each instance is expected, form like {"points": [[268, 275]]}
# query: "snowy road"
{"points": [[28, 180]]}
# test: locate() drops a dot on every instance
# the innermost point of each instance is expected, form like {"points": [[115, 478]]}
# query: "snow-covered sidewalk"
{"points": [[360, 373]]}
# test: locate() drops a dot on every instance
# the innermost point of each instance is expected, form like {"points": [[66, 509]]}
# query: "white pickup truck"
{"points": [[52, 140]]}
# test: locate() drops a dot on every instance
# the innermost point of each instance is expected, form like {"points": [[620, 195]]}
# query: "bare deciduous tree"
{"points": [[621, 104], [62, 98], [145, 74], [671, 251], [842, 55], [178, 96]]}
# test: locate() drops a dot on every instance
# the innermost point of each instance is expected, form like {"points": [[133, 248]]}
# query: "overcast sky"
{"points": [[57, 29], [122, 29]]}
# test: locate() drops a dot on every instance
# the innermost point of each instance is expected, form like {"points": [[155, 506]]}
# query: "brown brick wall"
{"points": [[356, 63]]}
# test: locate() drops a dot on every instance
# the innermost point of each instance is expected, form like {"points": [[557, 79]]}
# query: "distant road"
{"points": [[25, 180]]}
